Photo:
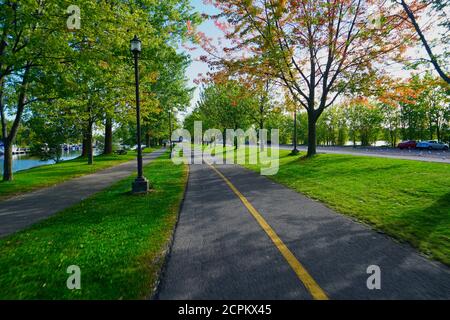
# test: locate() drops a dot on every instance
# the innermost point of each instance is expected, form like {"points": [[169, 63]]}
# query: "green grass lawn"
{"points": [[409, 200], [149, 149], [116, 238], [47, 175]]}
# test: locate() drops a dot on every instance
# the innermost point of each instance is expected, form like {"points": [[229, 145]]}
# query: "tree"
{"points": [[434, 101], [316, 49], [364, 121], [88, 70], [225, 106], [32, 40], [332, 127], [439, 14], [191, 118], [414, 108], [50, 129], [264, 106], [103, 69], [391, 122], [108, 142], [278, 120], [172, 94]]}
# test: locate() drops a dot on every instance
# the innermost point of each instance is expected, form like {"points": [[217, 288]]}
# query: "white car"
{"points": [[432, 145]]}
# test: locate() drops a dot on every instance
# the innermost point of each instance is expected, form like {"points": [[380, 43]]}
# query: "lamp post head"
{"points": [[135, 45]]}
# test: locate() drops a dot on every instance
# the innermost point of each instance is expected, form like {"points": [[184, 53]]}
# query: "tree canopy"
{"points": [[85, 74]]}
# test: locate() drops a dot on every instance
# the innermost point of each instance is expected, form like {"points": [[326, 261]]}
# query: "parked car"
{"points": [[432, 145], [409, 144]]}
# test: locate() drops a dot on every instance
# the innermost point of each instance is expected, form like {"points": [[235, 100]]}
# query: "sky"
{"points": [[197, 67], [209, 28]]}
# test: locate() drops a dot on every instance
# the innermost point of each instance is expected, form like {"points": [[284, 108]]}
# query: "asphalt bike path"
{"points": [[242, 236], [24, 210]]}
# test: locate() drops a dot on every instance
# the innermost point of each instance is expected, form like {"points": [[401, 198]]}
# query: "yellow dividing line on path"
{"points": [[311, 285]]}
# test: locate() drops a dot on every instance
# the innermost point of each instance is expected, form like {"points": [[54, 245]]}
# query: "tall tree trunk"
{"points": [[90, 149], [410, 129], [425, 43], [2, 113], [430, 126], [261, 127], [261, 117], [9, 138], [235, 138], [147, 139], [224, 139], [108, 148], [84, 151], [438, 131], [294, 138], [7, 162], [312, 139], [392, 134]]}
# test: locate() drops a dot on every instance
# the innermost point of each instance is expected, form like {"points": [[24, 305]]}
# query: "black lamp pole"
{"points": [[140, 184]]}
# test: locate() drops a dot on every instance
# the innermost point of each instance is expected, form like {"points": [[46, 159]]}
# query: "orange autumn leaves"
{"points": [[397, 92], [408, 91]]}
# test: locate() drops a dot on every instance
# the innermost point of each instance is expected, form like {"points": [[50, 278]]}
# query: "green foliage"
{"points": [[172, 95], [420, 110], [33, 39], [285, 125], [364, 122], [88, 73], [95, 235], [332, 127], [49, 131], [391, 122], [223, 106]]}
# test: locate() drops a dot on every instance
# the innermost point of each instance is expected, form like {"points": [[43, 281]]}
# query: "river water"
{"points": [[22, 161]]}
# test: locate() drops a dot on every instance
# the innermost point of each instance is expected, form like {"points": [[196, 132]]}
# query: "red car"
{"points": [[410, 144]]}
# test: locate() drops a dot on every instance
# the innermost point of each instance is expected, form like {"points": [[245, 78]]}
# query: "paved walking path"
{"points": [[220, 251], [24, 210]]}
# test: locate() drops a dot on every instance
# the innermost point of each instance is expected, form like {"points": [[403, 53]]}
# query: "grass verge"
{"points": [[48, 175], [409, 200], [117, 239]]}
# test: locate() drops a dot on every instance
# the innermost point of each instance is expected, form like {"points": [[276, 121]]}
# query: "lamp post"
{"points": [[140, 184]]}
